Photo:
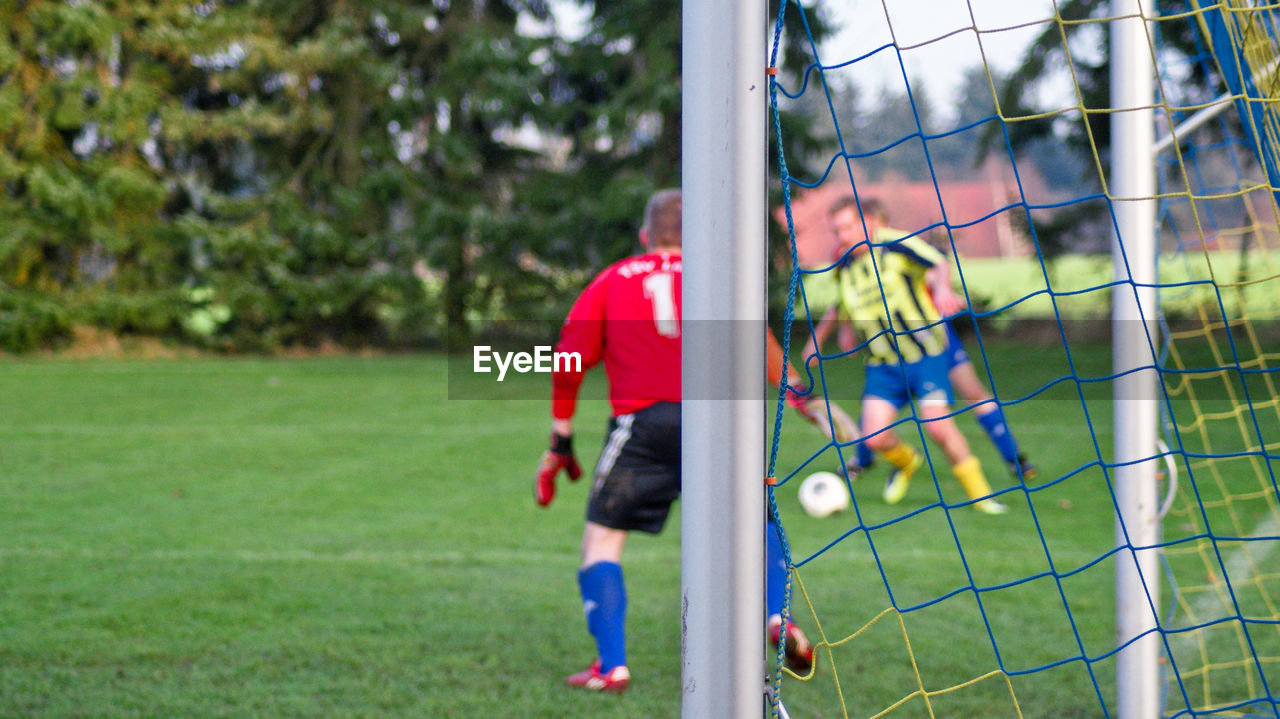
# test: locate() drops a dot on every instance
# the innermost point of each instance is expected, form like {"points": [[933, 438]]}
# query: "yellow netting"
{"points": [[956, 652], [1226, 505]]}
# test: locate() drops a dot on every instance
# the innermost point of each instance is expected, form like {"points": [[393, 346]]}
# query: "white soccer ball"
{"points": [[823, 493]]}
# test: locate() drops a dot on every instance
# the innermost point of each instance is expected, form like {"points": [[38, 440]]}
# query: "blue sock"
{"points": [[865, 456], [775, 571], [998, 431], [604, 600]]}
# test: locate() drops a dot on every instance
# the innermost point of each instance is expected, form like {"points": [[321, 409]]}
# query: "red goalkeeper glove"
{"points": [[799, 400], [558, 457]]}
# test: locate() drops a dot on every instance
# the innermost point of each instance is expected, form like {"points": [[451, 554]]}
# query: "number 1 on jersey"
{"points": [[660, 287]]}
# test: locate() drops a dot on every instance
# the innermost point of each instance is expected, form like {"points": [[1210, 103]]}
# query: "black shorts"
{"points": [[638, 475]]}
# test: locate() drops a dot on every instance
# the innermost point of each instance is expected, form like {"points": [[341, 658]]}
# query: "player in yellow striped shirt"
{"points": [[896, 290]]}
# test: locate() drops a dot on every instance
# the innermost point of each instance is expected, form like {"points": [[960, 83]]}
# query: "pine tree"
{"points": [[420, 158], [81, 196], [260, 173]]}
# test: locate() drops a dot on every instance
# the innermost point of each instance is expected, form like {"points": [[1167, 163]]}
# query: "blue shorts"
{"points": [[923, 380], [954, 353]]}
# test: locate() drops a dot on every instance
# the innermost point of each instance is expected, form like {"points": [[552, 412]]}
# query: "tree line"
{"points": [[256, 174], [252, 174], [265, 173]]}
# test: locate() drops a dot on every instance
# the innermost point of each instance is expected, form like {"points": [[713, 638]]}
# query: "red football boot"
{"points": [[592, 679], [798, 652]]}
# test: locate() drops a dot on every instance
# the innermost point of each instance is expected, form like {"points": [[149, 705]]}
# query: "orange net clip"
{"points": [[770, 481], [771, 71]]}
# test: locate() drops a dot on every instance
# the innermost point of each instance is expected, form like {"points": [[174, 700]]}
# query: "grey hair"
{"points": [[662, 218]]}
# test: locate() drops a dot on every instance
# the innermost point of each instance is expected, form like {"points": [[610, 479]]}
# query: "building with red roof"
{"points": [[979, 217]]}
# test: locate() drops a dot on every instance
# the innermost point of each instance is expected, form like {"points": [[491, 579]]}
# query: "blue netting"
{"points": [[1218, 624]]}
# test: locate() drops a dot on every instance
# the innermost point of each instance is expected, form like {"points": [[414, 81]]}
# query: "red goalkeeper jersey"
{"points": [[629, 318]]}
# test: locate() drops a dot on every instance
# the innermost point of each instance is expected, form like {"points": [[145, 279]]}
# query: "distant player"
{"points": [[628, 317], [895, 294], [965, 383]]}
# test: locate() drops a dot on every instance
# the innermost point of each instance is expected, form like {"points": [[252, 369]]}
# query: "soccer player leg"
{"points": [[797, 650], [865, 457], [826, 416], [636, 480], [604, 603], [845, 430], [775, 572], [965, 466], [884, 394], [833, 422], [990, 416], [930, 384]]}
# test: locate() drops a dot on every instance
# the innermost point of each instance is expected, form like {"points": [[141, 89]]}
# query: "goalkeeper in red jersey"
{"points": [[628, 318]]}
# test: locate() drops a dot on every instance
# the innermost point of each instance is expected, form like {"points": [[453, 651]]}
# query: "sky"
{"points": [[919, 27], [923, 28]]}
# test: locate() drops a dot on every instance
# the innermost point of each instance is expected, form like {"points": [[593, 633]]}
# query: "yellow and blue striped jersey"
{"points": [[885, 295]]}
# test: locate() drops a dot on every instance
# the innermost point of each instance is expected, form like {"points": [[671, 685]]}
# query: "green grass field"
{"points": [[351, 538]]}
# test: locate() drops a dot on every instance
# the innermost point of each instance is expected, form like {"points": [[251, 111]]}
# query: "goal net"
{"points": [[926, 607]]}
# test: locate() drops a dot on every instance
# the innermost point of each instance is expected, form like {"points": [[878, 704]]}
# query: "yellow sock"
{"points": [[969, 472], [901, 456]]}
